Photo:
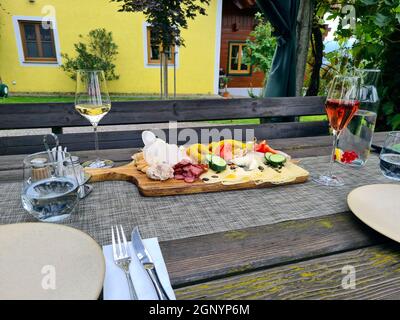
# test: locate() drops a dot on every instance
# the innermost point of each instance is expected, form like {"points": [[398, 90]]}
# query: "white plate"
{"points": [[49, 261], [378, 206]]}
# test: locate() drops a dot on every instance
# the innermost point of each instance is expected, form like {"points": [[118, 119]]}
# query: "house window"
{"points": [[37, 42], [154, 50], [236, 66]]}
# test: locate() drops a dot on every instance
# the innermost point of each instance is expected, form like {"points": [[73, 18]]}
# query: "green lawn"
{"points": [[313, 118], [257, 120], [236, 121], [51, 99]]}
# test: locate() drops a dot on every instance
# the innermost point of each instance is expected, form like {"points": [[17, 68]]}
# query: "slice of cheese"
{"points": [[238, 176], [228, 176], [263, 174]]}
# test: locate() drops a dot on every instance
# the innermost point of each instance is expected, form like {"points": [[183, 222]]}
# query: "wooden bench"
{"points": [[61, 115]]}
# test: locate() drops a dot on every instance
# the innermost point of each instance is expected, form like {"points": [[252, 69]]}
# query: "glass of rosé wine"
{"points": [[341, 105]]}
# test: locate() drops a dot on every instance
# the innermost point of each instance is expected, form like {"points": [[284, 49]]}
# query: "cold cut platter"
{"points": [[163, 169]]}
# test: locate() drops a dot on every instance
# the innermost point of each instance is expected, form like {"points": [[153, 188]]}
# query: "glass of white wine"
{"points": [[93, 102]]}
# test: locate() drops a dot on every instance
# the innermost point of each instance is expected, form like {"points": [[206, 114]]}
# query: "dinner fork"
{"points": [[122, 257]]}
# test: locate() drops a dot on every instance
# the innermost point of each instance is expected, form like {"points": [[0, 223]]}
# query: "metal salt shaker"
{"points": [[73, 167]]}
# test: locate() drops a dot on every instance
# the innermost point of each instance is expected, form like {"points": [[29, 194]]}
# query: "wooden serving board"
{"points": [[153, 188]]}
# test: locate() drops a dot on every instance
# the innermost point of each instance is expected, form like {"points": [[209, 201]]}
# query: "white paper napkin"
{"points": [[115, 282]]}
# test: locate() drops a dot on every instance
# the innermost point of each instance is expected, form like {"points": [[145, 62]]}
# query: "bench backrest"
{"points": [[62, 115]]}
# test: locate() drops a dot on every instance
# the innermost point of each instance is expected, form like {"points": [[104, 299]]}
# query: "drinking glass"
{"points": [[93, 102], [341, 105], [355, 141], [49, 192], [390, 156]]}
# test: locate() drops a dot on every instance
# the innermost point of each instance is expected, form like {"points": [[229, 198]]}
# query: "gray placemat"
{"points": [[187, 216]]}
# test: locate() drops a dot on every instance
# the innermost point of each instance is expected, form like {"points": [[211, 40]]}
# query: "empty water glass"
{"points": [[49, 192], [390, 156]]}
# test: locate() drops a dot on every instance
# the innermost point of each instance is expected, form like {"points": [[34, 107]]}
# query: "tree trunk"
{"points": [[317, 49], [304, 27], [165, 73]]}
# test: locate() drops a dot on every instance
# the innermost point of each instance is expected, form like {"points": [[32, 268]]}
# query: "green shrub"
{"points": [[377, 32], [261, 45], [98, 53]]}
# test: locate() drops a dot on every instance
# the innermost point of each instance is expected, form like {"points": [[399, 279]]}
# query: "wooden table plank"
{"points": [[223, 254], [377, 274]]}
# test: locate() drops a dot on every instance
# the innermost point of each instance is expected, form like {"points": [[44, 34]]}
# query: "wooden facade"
{"points": [[237, 24]]}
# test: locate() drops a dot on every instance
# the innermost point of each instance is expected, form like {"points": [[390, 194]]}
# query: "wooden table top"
{"points": [[302, 259]]}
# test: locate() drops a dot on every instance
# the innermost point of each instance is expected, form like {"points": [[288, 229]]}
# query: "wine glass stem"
{"points": [[333, 155], [96, 142]]}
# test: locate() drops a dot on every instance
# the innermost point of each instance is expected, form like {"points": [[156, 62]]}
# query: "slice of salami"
{"points": [[190, 179]]}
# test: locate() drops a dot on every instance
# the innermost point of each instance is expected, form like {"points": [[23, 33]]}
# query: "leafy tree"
{"points": [[339, 61], [377, 33], [167, 18], [261, 45], [98, 53], [316, 49], [377, 45], [318, 73]]}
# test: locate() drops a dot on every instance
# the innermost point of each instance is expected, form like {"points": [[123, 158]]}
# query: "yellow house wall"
{"points": [[195, 73]]}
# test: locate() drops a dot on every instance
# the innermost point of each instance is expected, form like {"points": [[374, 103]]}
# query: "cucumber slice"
{"points": [[216, 163], [267, 155], [209, 157], [277, 159]]}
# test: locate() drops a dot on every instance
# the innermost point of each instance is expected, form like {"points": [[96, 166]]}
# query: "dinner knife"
{"points": [[147, 263]]}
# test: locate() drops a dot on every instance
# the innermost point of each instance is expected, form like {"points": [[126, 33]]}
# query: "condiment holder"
{"points": [[71, 165]]}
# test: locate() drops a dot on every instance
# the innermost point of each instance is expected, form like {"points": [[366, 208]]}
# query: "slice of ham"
{"points": [[196, 171], [190, 179], [187, 171]]}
